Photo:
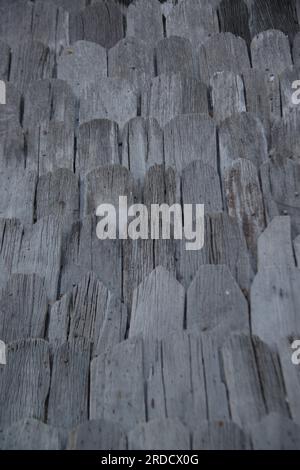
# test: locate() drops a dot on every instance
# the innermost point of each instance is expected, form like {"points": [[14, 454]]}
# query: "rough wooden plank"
{"points": [[215, 302], [291, 375], [284, 136], [270, 14], [296, 50], [49, 100], [40, 252], [270, 51], [11, 232], [81, 64], [21, 203], [23, 307], [234, 18], [50, 147], [174, 55], [71, 5], [297, 250], [275, 432], [222, 52], [172, 95], [106, 185], [158, 306], [274, 246], [188, 138], [117, 385], [10, 114], [213, 435], [84, 252], [160, 434], [12, 144], [109, 98], [91, 312], [275, 302], [145, 21], [98, 435], [27, 374], [15, 23], [69, 388], [101, 23], [244, 200], [192, 19], [287, 79], [30, 434], [4, 60], [280, 184], [200, 184], [97, 145], [228, 95], [242, 136], [58, 194], [142, 146]]}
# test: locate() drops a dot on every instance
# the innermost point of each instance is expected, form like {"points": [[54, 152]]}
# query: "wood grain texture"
{"points": [[15, 21], [30, 434], [20, 203], [213, 435], [160, 434], [290, 374], [234, 18], [228, 95], [97, 435], [297, 250], [284, 136], [4, 60], [270, 51], [275, 432], [287, 78], [175, 54], [145, 21]]}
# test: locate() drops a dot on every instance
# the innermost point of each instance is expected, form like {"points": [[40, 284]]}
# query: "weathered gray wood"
{"points": [[50, 147], [11, 232], [234, 18], [200, 184], [297, 250], [275, 302], [291, 375], [58, 194], [81, 64], [242, 136], [228, 95], [263, 96], [284, 136], [109, 98], [270, 51], [287, 79], [69, 388], [158, 306], [188, 138], [275, 432], [90, 312], [101, 23], [296, 50], [273, 14], [245, 394], [24, 381], [97, 145], [213, 435], [192, 19], [15, 23], [97, 435], [222, 52], [171, 95], [244, 200], [117, 385], [4, 61], [10, 113], [30, 61], [30, 434], [40, 252], [142, 146], [145, 21], [280, 184], [106, 185], [160, 434], [49, 100], [174, 55], [23, 307], [12, 144], [84, 252], [215, 302], [18, 195], [161, 185], [71, 5], [274, 247]]}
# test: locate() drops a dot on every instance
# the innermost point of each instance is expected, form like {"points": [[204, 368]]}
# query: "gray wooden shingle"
{"points": [[30, 434], [10, 113], [270, 51], [188, 138], [228, 95], [275, 432], [297, 250], [291, 375], [192, 19], [4, 60], [97, 435], [287, 79], [296, 50], [220, 435], [117, 385], [27, 374], [81, 64], [284, 137], [160, 434], [215, 302], [234, 18], [18, 195], [69, 388], [12, 145], [11, 231], [171, 95], [145, 21], [23, 307], [173, 55], [15, 23], [71, 5]]}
